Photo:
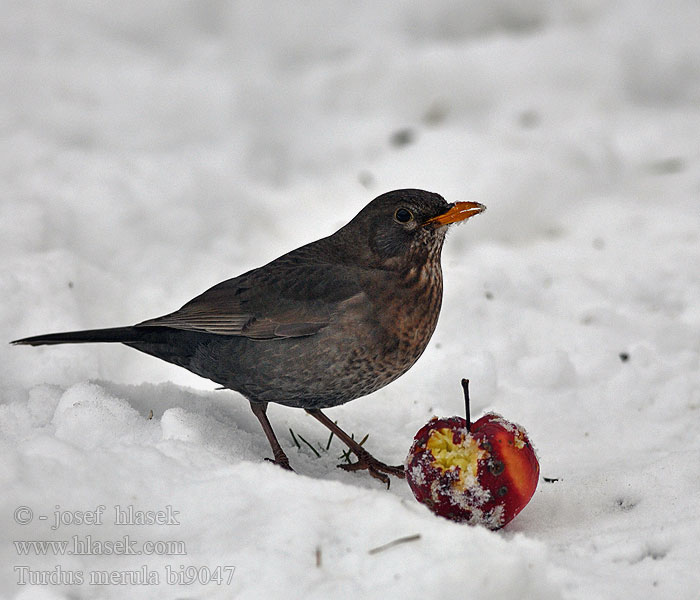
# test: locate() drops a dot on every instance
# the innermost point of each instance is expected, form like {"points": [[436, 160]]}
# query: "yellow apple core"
{"points": [[448, 455]]}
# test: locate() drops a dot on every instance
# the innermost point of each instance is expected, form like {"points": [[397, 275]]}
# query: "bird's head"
{"points": [[406, 226]]}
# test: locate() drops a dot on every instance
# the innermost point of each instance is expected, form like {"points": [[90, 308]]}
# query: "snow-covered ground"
{"points": [[152, 149]]}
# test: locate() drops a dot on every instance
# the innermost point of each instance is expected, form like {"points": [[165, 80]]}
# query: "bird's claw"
{"points": [[282, 462], [376, 468]]}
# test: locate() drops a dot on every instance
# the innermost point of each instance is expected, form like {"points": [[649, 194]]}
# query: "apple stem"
{"points": [[465, 387]]}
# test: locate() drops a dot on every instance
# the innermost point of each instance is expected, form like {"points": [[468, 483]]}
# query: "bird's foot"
{"points": [[376, 468], [260, 411], [282, 461]]}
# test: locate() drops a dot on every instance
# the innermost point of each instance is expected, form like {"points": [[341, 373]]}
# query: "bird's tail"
{"points": [[114, 334]]}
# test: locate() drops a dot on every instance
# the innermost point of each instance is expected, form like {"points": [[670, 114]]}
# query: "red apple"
{"points": [[482, 473]]}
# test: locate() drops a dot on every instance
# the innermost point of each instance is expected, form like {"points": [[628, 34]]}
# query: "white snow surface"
{"points": [[152, 149]]}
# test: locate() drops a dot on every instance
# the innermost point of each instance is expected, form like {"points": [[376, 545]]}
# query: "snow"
{"points": [[150, 150]]}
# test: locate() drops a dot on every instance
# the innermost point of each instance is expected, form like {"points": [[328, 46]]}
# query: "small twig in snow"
{"points": [[402, 540]]}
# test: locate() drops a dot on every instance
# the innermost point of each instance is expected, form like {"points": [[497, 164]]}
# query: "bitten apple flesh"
{"points": [[484, 473]]}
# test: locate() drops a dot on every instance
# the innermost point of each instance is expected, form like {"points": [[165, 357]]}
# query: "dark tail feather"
{"points": [[115, 334]]}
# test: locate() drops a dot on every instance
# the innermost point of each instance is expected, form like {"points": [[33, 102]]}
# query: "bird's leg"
{"points": [[260, 411], [365, 460]]}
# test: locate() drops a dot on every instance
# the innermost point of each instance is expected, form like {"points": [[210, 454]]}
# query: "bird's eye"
{"points": [[403, 215]]}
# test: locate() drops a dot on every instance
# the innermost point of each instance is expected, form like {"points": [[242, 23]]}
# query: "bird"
{"points": [[329, 322]]}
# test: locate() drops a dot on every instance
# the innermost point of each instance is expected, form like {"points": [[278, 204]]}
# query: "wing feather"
{"points": [[259, 306]]}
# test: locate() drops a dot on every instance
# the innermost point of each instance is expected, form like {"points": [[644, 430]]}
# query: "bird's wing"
{"points": [[267, 304]]}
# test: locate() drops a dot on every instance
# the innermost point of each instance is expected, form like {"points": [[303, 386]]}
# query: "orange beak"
{"points": [[459, 211]]}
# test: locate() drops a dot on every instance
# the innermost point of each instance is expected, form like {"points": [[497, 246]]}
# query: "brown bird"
{"points": [[326, 323]]}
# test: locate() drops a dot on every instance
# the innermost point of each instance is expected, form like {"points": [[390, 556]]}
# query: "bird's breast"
{"points": [[406, 314], [416, 314]]}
